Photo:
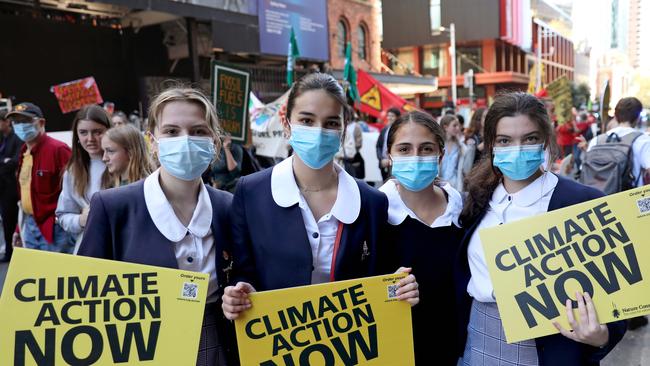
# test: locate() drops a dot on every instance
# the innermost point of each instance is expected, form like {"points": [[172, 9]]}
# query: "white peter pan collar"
{"points": [[529, 195], [285, 192], [163, 216], [398, 211]]}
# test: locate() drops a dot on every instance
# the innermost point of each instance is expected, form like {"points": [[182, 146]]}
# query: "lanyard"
{"points": [[337, 243]]}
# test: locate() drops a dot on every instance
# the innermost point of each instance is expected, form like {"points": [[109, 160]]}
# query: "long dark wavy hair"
{"points": [[484, 178]]}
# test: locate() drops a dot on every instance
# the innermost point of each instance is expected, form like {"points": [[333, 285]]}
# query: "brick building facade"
{"points": [[355, 21]]}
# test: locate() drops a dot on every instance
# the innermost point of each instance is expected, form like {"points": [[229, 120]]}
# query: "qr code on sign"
{"points": [[392, 291], [644, 205], [190, 290]]}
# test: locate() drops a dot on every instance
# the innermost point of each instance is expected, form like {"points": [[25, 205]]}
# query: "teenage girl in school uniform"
{"points": [[306, 221], [508, 185], [423, 213], [171, 219]]}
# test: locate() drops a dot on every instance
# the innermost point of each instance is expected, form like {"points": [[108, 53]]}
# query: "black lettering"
{"points": [[117, 309], [147, 307], [585, 217], [294, 337], [18, 290], [369, 349], [112, 284], [572, 229], [548, 270], [249, 329], [367, 316], [149, 280], [65, 312], [42, 356], [337, 324], [601, 215], [499, 261], [327, 354], [74, 287], [325, 305], [610, 260], [621, 236], [279, 343], [356, 293], [532, 273], [599, 242], [547, 307], [307, 314], [42, 296], [47, 313], [133, 331], [554, 239], [96, 344], [560, 288]]}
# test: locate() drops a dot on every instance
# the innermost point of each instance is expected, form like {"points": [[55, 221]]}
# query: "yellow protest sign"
{"points": [[60, 309], [601, 247], [355, 322]]}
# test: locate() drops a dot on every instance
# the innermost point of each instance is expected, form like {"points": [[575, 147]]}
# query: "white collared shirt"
{"points": [[321, 234], [194, 244], [505, 208], [398, 211]]}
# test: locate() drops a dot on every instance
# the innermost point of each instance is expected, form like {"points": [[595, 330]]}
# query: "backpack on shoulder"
{"points": [[608, 165]]}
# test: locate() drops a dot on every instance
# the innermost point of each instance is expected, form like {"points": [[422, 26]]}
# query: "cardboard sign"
{"points": [[73, 95], [601, 247], [60, 309], [230, 89], [355, 322]]}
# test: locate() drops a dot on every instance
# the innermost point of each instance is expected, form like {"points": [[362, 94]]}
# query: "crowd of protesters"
{"points": [[123, 194]]}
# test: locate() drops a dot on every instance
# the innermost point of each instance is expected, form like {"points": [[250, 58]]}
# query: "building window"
{"points": [[434, 15], [468, 58], [432, 57], [341, 37], [361, 42]]}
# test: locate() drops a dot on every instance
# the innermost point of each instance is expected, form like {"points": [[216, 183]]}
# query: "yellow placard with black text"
{"points": [[354, 322], [601, 247], [61, 309]]}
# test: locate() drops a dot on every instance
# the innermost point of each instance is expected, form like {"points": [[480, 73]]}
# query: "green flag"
{"points": [[292, 55], [350, 74]]}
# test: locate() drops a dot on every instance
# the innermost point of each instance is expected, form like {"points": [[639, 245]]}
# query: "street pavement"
{"points": [[634, 349]]}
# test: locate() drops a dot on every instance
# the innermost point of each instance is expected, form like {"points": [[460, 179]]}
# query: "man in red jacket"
{"points": [[40, 168]]}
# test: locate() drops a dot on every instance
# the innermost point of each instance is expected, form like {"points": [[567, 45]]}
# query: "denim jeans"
{"points": [[33, 239]]}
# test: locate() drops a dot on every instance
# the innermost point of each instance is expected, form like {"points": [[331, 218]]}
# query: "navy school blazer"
{"points": [[270, 245], [120, 228], [552, 350]]}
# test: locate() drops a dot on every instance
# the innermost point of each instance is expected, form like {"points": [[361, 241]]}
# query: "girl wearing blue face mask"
{"points": [[507, 186], [423, 217], [171, 219], [306, 221]]}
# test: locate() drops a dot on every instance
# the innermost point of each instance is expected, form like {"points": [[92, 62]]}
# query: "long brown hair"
{"points": [[79, 163], [484, 178], [475, 124], [445, 121], [131, 140]]}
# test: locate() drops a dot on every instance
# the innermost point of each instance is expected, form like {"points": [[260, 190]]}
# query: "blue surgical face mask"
{"points": [[186, 157], [518, 162], [26, 131], [415, 173], [315, 146]]}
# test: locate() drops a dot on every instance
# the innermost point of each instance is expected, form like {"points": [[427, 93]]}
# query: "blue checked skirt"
{"points": [[486, 343], [211, 348]]}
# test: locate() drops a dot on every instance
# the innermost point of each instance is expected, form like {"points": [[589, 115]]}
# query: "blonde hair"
{"points": [[131, 140], [188, 95]]}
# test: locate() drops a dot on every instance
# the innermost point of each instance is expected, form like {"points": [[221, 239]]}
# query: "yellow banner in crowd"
{"points": [[601, 247], [60, 309], [355, 322]]}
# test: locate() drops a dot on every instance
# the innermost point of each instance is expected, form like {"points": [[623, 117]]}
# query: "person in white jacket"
{"points": [[84, 174]]}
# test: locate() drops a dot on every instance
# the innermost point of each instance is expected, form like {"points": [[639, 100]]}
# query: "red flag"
{"points": [[376, 99]]}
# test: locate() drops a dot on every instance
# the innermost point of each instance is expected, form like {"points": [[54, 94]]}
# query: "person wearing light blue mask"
{"points": [[171, 219], [511, 184], [423, 216], [306, 220]]}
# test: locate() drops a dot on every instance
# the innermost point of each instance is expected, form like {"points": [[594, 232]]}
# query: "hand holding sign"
{"points": [[408, 287], [588, 330], [235, 299]]}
